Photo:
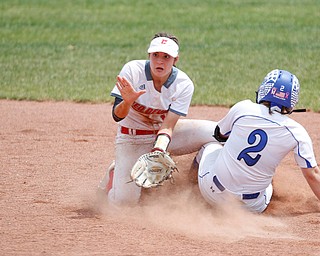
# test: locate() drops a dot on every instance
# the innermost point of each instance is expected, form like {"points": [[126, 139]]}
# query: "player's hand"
{"points": [[128, 93]]}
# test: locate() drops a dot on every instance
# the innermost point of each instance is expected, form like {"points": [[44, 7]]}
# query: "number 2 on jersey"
{"points": [[253, 137]]}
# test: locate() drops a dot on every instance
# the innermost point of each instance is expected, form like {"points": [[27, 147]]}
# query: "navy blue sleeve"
{"points": [[116, 102]]}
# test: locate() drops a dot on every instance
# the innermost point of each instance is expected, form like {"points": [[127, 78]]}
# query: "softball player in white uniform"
{"points": [[150, 97], [258, 137]]}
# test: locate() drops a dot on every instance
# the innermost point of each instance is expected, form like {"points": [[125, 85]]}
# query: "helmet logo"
{"points": [[279, 94]]}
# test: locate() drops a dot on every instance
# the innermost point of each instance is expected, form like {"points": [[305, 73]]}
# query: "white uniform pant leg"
{"points": [[190, 134], [207, 157], [260, 203], [127, 153]]}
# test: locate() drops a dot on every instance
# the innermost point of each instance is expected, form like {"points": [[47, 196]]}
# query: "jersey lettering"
{"points": [[253, 137], [145, 110]]}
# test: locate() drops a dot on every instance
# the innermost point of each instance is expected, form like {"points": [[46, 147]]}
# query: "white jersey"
{"points": [[149, 110], [248, 165]]}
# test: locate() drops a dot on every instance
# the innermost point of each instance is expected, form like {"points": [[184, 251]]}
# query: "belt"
{"points": [[126, 130], [244, 196]]}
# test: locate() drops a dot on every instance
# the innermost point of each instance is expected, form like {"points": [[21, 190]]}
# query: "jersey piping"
{"points": [[176, 112]]}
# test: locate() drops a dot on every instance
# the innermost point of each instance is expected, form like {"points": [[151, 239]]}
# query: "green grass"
{"points": [[73, 50]]}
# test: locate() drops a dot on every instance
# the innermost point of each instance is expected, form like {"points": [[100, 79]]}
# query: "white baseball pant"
{"points": [[215, 193]]}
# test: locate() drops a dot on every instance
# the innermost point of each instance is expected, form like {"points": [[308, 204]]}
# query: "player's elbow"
{"points": [[116, 118], [312, 175]]}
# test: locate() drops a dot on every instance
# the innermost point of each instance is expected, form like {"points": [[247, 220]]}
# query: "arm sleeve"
{"points": [[116, 102], [218, 136], [235, 112], [303, 152], [226, 123]]}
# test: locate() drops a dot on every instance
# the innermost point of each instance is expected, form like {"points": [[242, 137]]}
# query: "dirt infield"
{"points": [[52, 156]]}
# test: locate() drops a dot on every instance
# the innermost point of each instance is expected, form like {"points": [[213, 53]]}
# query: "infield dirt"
{"points": [[53, 155]]}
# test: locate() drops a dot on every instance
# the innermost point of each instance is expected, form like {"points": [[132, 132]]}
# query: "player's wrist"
{"points": [[157, 149], [161, 143]]}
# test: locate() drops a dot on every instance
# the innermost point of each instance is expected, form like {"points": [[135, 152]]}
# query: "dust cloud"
{"points": [[187, 214]]}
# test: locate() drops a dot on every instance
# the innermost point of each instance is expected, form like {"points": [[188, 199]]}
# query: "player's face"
{"points": [[161, 64]]}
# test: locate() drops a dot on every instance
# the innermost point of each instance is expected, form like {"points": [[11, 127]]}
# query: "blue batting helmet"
{"points": [[279, 87]]}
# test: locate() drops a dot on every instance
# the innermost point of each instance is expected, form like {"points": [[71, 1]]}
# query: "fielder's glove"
{"points": [[151, 169]]}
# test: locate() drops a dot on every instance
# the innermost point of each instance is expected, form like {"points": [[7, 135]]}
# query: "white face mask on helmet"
{"points": [[280, 88]]}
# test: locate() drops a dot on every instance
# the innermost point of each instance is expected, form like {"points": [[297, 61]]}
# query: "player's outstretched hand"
{"points": [[128, 93]]}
